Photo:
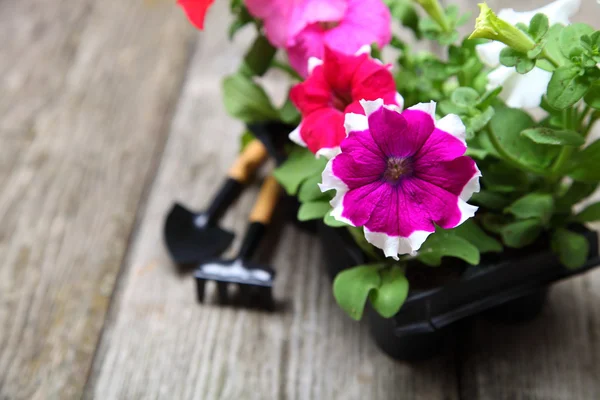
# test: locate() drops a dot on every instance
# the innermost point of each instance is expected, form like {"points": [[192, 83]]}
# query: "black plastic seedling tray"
{"points": [[511, 286]]}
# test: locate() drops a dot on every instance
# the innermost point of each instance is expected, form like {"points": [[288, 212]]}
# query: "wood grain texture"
{"points": [[85, 90], [160, 344], [556, 356]]}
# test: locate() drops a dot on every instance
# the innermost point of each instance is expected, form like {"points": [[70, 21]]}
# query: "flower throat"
{"points": [[396, 168]]}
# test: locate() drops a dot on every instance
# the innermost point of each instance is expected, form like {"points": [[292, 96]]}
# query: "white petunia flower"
{"points": [[523, 90]]}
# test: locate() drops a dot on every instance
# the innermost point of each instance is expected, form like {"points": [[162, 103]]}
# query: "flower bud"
{"points": [[489, 26]]}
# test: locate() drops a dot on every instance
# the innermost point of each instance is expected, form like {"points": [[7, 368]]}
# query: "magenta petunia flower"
{"points": [[399, 173], [305, 27], [334, 87]]}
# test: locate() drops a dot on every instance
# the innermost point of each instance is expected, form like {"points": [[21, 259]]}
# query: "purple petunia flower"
{"points": [[399, 173]]}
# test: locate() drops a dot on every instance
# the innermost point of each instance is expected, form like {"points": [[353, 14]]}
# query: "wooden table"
{"points": [[109, 111]]}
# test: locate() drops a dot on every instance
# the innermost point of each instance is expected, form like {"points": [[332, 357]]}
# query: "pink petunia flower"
{"points": [[398, 174], [334, 87], [305, 27]]}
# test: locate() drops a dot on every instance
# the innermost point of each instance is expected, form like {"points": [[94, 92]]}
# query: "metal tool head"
{"points": [[254, 282], [191, 238]]}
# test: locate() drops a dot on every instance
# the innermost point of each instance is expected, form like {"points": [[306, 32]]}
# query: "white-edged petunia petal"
{"points": [[364, 49], [472, 186], [399, 101], [370, 106], [429, 108], [296, 137], [557, 12], [332, 182], [452, 124], [489, 53], [355, 123], [466, 210], [328, 152], [313, 62], [394, 245], [523, 91]]}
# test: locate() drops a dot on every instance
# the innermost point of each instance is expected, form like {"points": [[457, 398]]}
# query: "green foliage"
{"points": [[447, 244], [246, 138], [572, 248], [351, 288], [300, 166], [288, 113], [313, 210], [391, 293], [521, 233], [404, 11], [491, 200], [535, 205], [576, 192], [590, 214], [242, 18], [506, 126], [512, 58], [471, 232], [329, 220], [586, 169], [553, 137], [567, 86], [592, 98], [245, 100], [310, 191], [258, 58]]}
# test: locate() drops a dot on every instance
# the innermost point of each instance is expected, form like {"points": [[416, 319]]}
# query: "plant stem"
{"points": [[436, 12], [550, 59], [286, 68], [509, 158]]}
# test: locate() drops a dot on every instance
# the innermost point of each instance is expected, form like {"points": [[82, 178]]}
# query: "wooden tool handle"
{"points": [[266, 201], [248, 161]]}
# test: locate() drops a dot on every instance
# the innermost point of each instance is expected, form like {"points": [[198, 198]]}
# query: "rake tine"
{"points": [[200, 288]]}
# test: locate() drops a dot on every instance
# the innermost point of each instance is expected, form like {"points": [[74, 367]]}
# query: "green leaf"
{"points": [[566, 87], [506, 125], [465, 97], [592, 98], [351, 288], [310, 191], [521, 233], [538, 26], [470, 231], [246, 138], [554, 137], [552, 48], [441, 244], [259, 56], [587, 162], [241, 19], [494, 223], [513, 58], [392, 292], [330, 221], [490, 200], [300, 165], [534, 205], [570, 39], [288, 113], [572, 248], [504, 179], [313, 210], [590, 214], [576, 192], [247, 101]]}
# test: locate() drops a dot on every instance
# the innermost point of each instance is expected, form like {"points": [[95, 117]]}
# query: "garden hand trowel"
{"points": [[193, 237], [255, 281]]}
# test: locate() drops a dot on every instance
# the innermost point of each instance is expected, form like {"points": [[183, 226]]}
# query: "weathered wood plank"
{"points": [[159, 343], [556, 356], [85, 90]]}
